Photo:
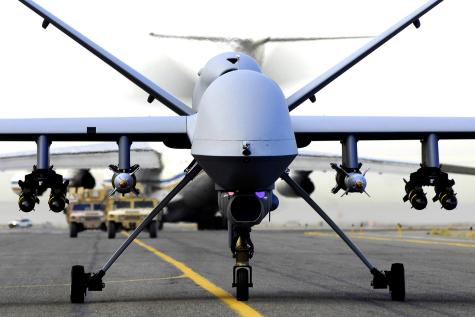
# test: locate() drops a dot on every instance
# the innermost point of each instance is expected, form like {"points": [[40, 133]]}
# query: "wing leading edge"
{"points": [[168, 129], [312, 128]]}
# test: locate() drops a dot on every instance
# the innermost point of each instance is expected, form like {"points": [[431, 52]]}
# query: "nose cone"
{"points": [[243, 136]]}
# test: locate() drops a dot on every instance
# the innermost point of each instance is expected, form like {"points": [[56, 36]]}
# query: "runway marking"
{"points": [[240, 308], [380, 238], [116, 281]]}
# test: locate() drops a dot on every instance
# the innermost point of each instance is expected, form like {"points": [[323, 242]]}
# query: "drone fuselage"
{"points": [[242, 135]]}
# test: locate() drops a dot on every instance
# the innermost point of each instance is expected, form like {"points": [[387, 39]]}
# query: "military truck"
{"points": [[127, 212], [85, 210]]}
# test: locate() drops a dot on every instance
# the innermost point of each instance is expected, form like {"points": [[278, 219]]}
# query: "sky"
{"points": [[423, 72]]}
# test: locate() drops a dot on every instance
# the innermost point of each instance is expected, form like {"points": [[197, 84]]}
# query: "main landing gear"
{"points": [[394, 279], [82, 282]]}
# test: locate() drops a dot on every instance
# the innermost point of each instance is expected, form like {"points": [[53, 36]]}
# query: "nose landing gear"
{"points": [[242, 271]]}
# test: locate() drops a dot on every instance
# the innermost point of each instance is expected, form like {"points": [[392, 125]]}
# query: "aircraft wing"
{"points": [[335, 128], [311, 161], [154, 91], [167, 129], [84, 157], [309, 91]]}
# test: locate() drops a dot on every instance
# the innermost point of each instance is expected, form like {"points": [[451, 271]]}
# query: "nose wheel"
{"points": [[242, 277]]}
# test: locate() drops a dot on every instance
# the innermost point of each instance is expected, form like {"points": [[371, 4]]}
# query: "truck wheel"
{"points": [[73, 230], [111, 229], [152, 229]]}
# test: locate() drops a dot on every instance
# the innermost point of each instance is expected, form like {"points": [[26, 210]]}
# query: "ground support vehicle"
{"points": [[85, 210], [20, 223], [126, 213]]}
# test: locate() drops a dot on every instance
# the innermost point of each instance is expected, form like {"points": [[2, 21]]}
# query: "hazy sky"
{"points": [[428, 71], [421, 72]]}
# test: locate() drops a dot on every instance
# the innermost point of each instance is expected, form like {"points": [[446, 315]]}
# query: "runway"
{"points": [[188, 273]]}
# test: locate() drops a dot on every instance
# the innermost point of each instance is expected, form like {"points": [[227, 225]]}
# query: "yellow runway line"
{"points": [[241, 308], [380, 238]]}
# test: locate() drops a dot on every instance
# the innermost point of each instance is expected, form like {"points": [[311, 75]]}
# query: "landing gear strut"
{"points": [[82, 282], [394, 279], [243, 250]]}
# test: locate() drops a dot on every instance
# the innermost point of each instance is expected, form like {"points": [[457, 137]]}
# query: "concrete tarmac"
{"points": [[188, 273]]}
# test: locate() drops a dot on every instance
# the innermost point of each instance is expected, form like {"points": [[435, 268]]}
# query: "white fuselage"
{"points": [[242, 134]]}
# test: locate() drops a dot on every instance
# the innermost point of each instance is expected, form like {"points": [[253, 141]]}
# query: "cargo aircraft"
{"points": [[241, 134]]}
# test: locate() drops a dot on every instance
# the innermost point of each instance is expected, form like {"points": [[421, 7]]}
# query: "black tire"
{"points": [[78, 284], [397, 283], [152, 229], [160, 225], [111, 229], [73, 230], [242, 285]]}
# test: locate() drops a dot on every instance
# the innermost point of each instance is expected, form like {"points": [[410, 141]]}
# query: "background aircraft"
{"points": [[83, 166]]}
